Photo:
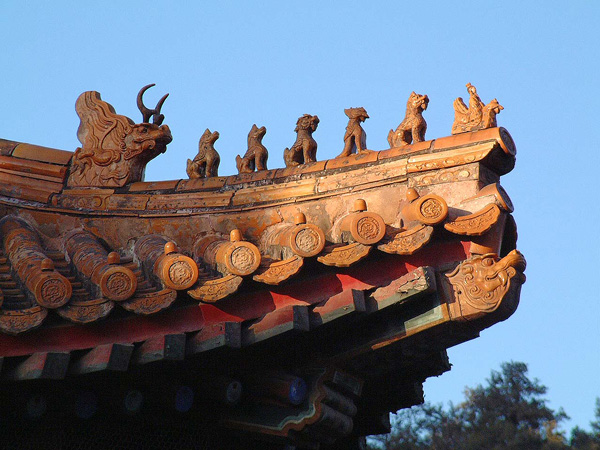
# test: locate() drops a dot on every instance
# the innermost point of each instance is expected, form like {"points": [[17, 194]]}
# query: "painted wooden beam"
{"points": [[223, 334], [405, 289], [168, 347], [282, 320], [50, 366], [339, 305], [104, 357]]}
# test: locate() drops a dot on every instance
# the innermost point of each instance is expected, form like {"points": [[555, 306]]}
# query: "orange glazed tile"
{"points": [[33, 167], [405, 150], [201, 183], [317, 166], [6, 147], [153, 185], [44, 154], [352, 160], [189, 200], [127, 202], [250, 177], [458, 140], [271, 193]]}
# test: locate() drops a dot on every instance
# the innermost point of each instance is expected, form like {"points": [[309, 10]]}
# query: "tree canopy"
{"points": [[509, 412]]}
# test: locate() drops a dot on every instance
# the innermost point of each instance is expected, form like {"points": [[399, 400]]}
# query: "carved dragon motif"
{"points": [[304, 149], [482, 284], [114, 150], [413, 127], [206, 162]]}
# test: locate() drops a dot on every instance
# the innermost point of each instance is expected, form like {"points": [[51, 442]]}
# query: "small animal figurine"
{"points": [[477, 116], [206, 162], [256, 156], [304, 149], [413, 127], [355, 138]]}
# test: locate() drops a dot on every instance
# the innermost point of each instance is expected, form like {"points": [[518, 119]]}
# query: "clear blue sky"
{"points": [[228, 65]]}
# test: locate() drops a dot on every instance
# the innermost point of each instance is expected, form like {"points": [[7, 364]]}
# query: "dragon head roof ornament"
{"points": [[114, 150]]}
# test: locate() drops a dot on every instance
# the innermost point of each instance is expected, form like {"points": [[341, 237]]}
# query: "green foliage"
{"points": [[508, 412], [583, 440]]}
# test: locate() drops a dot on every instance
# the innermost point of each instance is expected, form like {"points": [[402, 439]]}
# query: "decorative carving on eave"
{"points": [[485, 284], [284, 246], [476, 116], [161, 259], [146, 303], [284, 240], [210, 289], [344, 255], [206, 162], [319, 407], [233, 256], [95, 264], [86, 311], [231, 259], [409, 241], [114, 151], [362, 226], [354, 235], [19, 321], [475, 224], [418, 219], [491, 206], [304, 149], [413, 127], [35, 270]]}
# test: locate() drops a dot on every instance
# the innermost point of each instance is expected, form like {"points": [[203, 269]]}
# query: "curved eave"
{"points": [[35, 176]]}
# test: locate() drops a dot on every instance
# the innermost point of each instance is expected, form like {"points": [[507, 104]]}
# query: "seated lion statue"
{"points": [[413, 127], [304, 149]]}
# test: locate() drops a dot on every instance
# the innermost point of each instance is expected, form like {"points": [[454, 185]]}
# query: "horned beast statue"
{"points": [[114, 150]]}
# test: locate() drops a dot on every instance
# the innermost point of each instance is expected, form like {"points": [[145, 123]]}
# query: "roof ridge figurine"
{"points": [[477, 116], [355, 138], [304, 150], [206, 162], [114, 151], [412, 129], [256, 156]]}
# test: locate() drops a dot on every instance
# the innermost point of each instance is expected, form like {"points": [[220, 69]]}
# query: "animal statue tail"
{"points": [[286, 154], [391, 138], [238, 163]]}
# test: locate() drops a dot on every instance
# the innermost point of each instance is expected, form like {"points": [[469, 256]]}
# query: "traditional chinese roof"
{"points": [[342, 281]]}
